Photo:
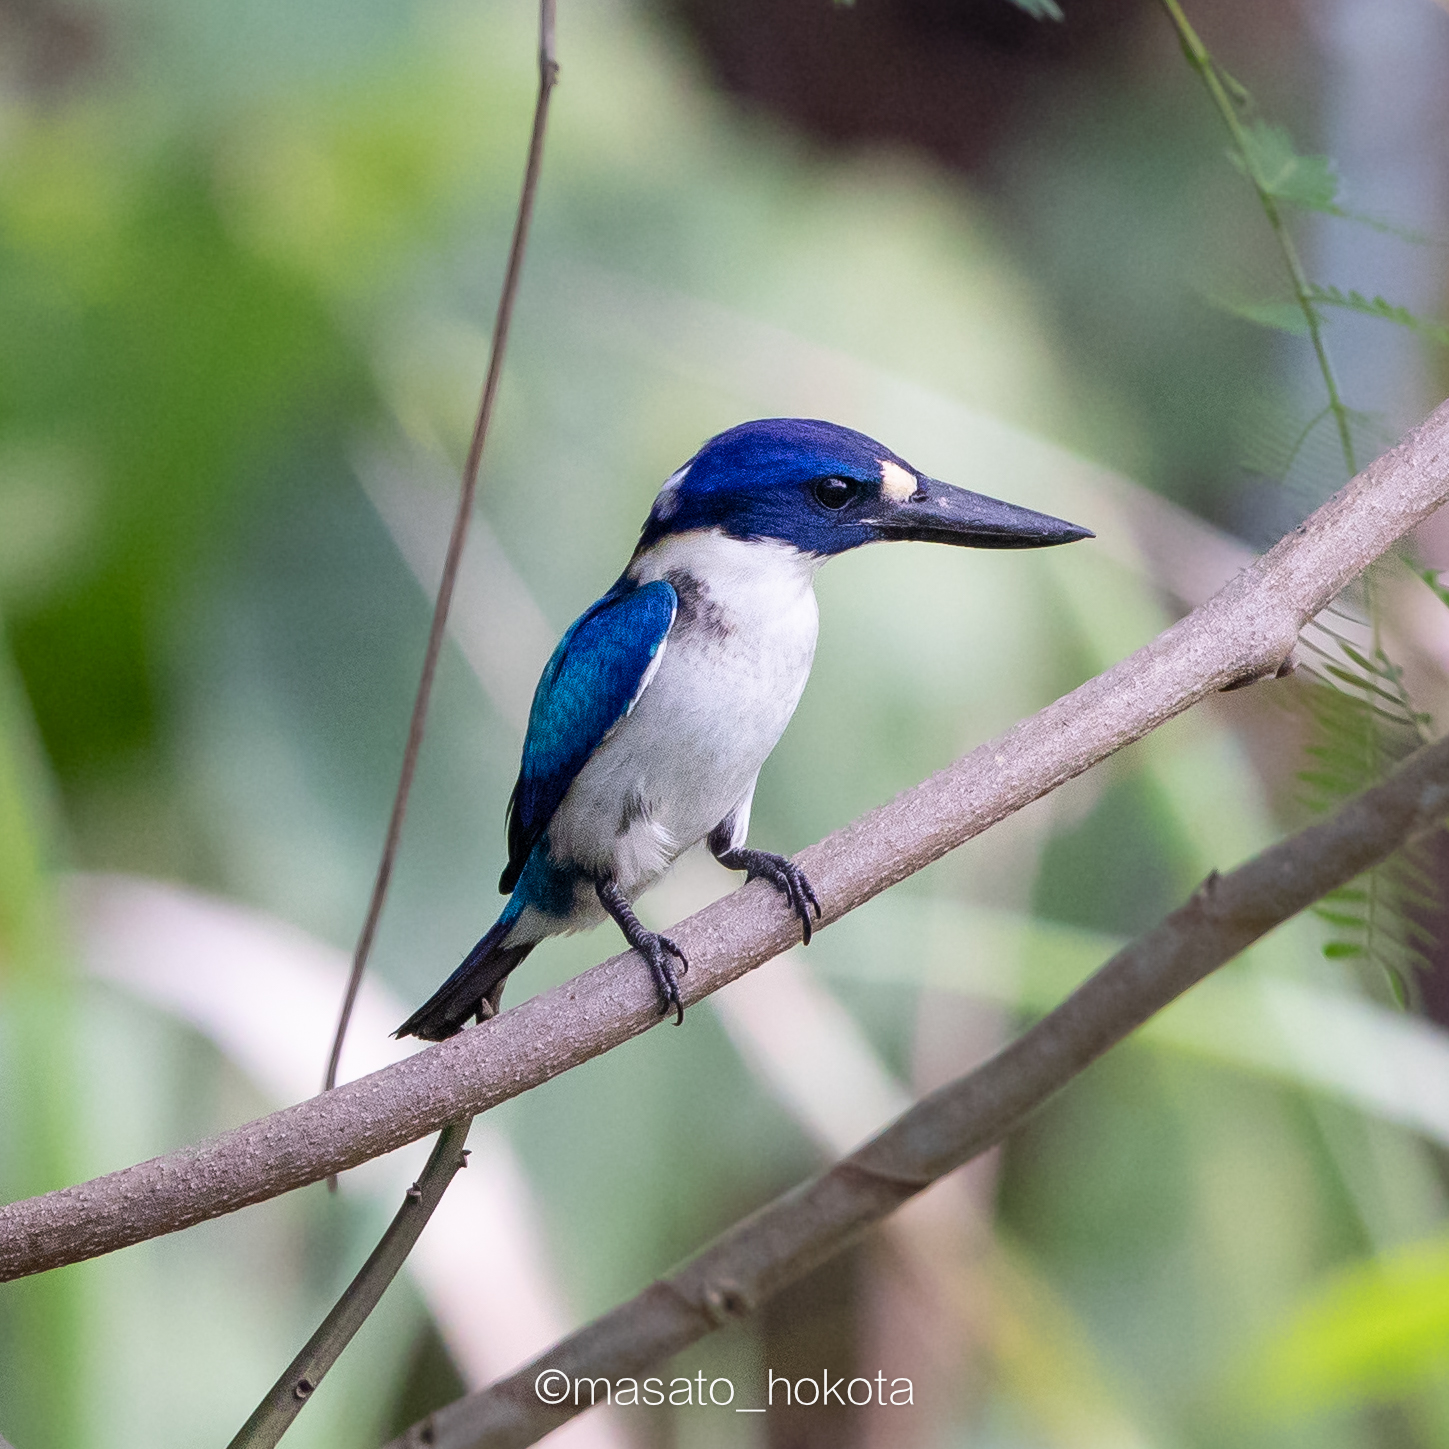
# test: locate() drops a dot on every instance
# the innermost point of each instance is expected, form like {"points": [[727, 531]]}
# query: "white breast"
{"points": [[730, 675]]}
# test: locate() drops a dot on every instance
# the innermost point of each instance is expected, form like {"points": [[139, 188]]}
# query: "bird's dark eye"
{"points": [[836, 492]]}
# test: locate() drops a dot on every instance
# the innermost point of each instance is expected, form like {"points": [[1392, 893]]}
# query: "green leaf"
{"points": [[1271, 161], [1431, 577], [1363, 723], [1339, 918], [1281, 316], [1399, 987], [1384, 310], [1358, 683], [1372, 1332], [1310, 182], [1354, 656]]}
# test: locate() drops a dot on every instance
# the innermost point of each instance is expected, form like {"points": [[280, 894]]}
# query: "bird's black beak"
{"points": [[938, 513]]}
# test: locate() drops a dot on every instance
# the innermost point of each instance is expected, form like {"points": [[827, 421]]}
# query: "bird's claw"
{"points": [[792, 883], [654, 948], [656, 951]]}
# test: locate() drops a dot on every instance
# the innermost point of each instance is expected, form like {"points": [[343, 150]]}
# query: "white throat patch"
{"points": [[895, 482]]}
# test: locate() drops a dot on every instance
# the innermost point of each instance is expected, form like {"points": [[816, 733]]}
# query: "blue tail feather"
{"points": [[474, 988]]}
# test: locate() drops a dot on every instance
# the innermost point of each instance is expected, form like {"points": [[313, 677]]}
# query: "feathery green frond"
{"points": [[1269, 158], [1280, 316], [1363, 723], [1273, 438], [1285, 315], [1381, 308], [1303, 455]]}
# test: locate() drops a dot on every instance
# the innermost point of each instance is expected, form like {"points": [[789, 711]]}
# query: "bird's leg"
{"points": [[654, 948], [782, 873]]}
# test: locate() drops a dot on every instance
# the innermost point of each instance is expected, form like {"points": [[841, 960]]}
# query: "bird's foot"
{"points": [[784, 875], [656, 949]]}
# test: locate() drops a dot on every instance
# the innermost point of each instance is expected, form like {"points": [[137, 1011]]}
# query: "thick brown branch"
{"points": [[784, 1240], [1244, 631]]}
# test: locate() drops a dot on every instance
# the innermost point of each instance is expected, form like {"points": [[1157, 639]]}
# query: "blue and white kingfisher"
{"points": [[661, 702]]}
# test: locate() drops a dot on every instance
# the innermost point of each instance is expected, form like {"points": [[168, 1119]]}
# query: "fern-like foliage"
{"points": [[1270, 158], [1283, 315], [1363, 723], [1384, 311], [1362, 719], [1266, 155], [1310, 183]]}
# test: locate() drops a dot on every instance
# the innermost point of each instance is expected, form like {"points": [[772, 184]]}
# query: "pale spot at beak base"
{"points": [[896, 483]]}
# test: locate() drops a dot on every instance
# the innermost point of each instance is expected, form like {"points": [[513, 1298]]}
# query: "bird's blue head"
{"points": [[824, 489]]}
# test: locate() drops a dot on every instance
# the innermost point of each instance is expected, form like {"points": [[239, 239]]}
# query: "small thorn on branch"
{"points": [[1281, 670], [726, 1300]]}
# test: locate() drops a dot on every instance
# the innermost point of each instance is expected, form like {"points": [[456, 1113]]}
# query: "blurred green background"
{"points": [[248, 259]]}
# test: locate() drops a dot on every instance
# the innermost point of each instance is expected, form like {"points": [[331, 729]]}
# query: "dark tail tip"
{"points": [[472, 990]]}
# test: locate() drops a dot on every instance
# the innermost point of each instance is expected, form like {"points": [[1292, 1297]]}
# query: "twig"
{"points": [[547, 77], [1201, 60], [1247, 630], [785, 1239], [274, 1415]]}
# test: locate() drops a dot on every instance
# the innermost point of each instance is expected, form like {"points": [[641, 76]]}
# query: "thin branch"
{"points": [[547, 78], [796, 1232], [1245, 631], [1211, 74], [274, 1415]]}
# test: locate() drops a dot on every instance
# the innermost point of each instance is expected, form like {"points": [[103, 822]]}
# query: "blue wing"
{"points": [[587, 688]]}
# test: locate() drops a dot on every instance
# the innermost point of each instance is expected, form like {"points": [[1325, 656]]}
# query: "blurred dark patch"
{"points": [[44, 45], [945, 75], [1432, 986], [1105, 165], [431, 1380]]}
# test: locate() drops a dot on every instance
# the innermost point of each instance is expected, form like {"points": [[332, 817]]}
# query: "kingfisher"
{"points": [[664, 698]]}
